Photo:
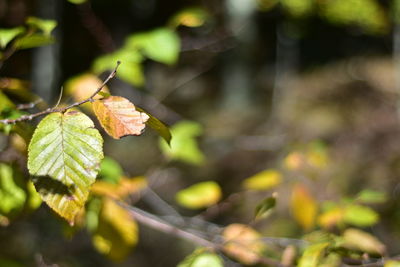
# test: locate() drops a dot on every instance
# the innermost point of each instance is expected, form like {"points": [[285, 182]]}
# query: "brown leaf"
{"points": [[119, 117]]}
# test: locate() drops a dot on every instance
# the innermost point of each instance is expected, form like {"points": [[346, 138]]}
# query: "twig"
{"points": [[156, 223], [62, 110]]}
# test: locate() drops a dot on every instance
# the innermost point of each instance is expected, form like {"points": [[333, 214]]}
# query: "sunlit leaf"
{"points": [[64, 157], [370, 15], [331, 217], [33, 40], [162, 45], [110, 170], [77, 2], [191, 17], [243, 243], [45, 25], [294, 161], [125, 187], [34, 200], [371, 197], [200, 195], [304, 207], [263, 180], [365, 242], [130, 69], [117, 232], [158, 126], [119, 117], [264, 208], [360, 215], [12, 197], [184, 144], [202, 258], [392, 263], [312, 255], [7, 35], [298, 8]]}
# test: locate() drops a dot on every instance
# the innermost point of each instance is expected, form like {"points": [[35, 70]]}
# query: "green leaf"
{"points": [[360, 215], [158, 126], [45, 25], [201, 258], [12, 197], [130, 69], [77, 2], [34, 40], [7, 35], [312, 255], [162, 45], [110, 170], [371, 197], [64, 157], [200, 195], [298, 8], [184, 144], [264, 208]]}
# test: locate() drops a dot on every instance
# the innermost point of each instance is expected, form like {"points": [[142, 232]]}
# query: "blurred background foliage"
{"points": [[284, 116]]}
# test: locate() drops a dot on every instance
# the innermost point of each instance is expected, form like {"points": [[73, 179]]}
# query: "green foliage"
{"points": [[110, 170], [265, 207], [77, 2], [46, 26], [312, 255], [7, 35], [201, 258], [200, 195], [184, 146], [158, 126], [161, 45], [64, 156], [12, 197]]}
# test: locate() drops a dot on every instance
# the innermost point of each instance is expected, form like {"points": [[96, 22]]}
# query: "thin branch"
{"points": [[62, 110], [156, 223]]}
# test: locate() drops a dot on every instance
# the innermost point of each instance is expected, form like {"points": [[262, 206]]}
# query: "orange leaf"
{"points": [[119, 117]]}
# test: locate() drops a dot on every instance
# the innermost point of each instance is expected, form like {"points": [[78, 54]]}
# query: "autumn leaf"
{"points": [[64, 157], [304, 207], [200, 195], [119, 117]]}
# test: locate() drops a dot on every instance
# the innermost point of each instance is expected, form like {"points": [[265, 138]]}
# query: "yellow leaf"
{"points": [[312, 255], [117, 232], [363, 241], [124, 187], [263, 180], [83, 86], [294, 161], [392, 263], [331, 218], [243, 243], [119, 117], [304, 207], [200, 195]]}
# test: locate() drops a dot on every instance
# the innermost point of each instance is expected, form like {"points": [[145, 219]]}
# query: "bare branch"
{"points": [[62, 110]]}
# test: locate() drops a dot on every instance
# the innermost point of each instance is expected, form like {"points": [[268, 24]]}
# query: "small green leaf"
{"points": [[360, 215], [184, 145], [7, 35], [312, 255], [161, 45], [264, 208], [202, 258], [200, 195], [110, 170], [371, 197], [77, 2], [158, 126], [130, 69], [12, 197], [34, 40], [64, 157], [45, 25]]}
